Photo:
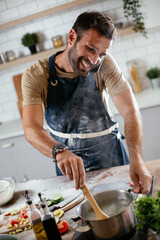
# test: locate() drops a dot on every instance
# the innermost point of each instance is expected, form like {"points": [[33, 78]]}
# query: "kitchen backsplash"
{"points": [[146, 52]]}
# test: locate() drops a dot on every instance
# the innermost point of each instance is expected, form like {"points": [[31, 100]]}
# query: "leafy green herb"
{"points": [[147, 210], [153, 73], [30, 39], [132, 9]]}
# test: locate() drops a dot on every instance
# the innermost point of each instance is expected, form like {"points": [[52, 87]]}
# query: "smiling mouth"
{"points": [[84, 63]]}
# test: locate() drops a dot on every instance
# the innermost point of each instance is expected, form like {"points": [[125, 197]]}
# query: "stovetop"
{"points": [[134, 235]]}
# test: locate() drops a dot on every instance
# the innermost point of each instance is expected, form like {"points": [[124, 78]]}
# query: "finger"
{"points": [[81, 173], [136, 185], [62, 168], [75, 172], [146, 184], [68, 173]]}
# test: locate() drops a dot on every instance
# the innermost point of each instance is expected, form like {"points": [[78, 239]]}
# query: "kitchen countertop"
{"points": [[147, 98], [61, 184]]}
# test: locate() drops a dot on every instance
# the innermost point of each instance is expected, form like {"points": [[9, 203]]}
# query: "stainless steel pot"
{"points": [[121, 222]]}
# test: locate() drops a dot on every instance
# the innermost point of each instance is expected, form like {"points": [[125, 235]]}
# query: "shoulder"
{"points": [[110, 76], [40, 68], [108, 65]]}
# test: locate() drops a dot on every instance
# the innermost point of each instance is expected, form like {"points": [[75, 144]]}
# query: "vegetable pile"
{"points": [[18, 221], [147, 210]]}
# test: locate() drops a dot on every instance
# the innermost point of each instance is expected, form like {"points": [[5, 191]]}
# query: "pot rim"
{"points": [[113, 190]]}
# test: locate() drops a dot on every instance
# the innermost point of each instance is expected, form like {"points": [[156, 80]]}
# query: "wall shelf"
{"points": [[49, 52], [125, 31], [30, 58], [44, 13]]}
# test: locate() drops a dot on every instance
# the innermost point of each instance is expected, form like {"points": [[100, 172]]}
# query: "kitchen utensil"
{"points": [[65, 202], [73, 203], [7, 187], [100, 215], [122, 218]]}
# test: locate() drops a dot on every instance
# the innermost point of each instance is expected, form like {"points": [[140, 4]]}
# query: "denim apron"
{"points": [[77, 117]]}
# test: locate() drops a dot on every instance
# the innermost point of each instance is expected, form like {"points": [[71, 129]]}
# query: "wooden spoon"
{"points": [[100, 215]]}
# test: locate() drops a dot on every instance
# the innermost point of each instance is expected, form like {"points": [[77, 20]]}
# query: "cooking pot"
{"points": [[115, 203]]}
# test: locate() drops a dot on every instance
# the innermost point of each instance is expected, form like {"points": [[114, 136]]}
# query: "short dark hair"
{"points": [[97, 21]]}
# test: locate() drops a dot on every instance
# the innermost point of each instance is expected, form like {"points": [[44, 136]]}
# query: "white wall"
{"points": [[135, 46]]}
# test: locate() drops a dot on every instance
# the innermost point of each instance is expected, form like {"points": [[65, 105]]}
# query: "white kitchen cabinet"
{"points": [[20, 160], [151, 132]]}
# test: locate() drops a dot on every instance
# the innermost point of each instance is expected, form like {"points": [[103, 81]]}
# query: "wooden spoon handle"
{"points": [[99, 214]]}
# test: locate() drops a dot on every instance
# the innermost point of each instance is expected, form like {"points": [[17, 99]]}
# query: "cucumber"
{"points": [[49, 203], [57, 198]]}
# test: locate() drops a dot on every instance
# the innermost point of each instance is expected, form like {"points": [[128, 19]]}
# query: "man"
{"points": [[71, 85]]}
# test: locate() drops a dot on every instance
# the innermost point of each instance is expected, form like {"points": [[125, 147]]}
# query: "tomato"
{"points": [[23, 214], [62, 226], [14, 222], [7, 214]]}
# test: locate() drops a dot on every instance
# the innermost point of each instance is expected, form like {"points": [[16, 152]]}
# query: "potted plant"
{"points": [[133, 9], [30, 40], [153, 74], [147, 210]]}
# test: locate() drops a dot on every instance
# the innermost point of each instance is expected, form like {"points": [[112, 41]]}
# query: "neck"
{"points": [[62, 62]]}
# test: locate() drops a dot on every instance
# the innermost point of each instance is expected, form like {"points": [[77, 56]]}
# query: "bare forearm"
{"points": [[40, 139], [134, 135]]}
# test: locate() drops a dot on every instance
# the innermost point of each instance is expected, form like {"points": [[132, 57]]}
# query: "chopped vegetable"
{"points": [[62, 226], [58, 198], [19, 230], [7, 214], [12, 233], [58, 213], [14, 222], [56, 219], [50, 202]]}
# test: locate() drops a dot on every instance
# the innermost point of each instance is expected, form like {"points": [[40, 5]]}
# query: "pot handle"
{"points": [[75, 226]]}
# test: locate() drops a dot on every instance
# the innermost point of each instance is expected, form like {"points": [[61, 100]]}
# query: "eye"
{"points": [[91, 49]]}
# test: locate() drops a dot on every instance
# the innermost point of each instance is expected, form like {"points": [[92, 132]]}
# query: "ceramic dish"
{"points": [[7, 188]]}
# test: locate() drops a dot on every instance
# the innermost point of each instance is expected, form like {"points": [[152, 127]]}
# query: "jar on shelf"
{"points": [[57, 41], [10, 55]]}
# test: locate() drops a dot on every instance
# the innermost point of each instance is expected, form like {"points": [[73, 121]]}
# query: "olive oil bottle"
{"points": [[35, 219], [49, 222]]}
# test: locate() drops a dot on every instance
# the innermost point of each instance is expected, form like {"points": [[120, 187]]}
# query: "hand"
{"points": [[72, 166], [141, 178]]}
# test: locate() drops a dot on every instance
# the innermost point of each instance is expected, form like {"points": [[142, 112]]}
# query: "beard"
{"points": [[76, 63]]}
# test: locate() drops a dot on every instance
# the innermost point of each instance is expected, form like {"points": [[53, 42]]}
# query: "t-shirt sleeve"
{"points": [[34, 84], [110, 77]]}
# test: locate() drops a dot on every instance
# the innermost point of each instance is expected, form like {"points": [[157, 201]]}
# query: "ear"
{"points": [[72, 36]]}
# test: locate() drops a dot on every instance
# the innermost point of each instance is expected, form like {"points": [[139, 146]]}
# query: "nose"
{"points": [[94, 59]]}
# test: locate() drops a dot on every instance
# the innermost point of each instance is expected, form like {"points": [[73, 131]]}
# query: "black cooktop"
{"points": [[135, 235]]}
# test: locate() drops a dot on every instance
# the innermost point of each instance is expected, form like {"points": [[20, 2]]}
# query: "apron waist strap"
{"points": [[83, 135]]}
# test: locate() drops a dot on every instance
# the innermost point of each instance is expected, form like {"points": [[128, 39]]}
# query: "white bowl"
{"points": [[7, 188]]}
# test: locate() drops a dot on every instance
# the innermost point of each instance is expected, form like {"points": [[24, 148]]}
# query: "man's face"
{"points": [[86, 54]]}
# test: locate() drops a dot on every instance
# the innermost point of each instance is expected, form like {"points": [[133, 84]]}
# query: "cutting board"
{"points": [[3, 229]]}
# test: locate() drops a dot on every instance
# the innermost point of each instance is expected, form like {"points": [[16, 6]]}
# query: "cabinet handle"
{"points": [[8, 145]]}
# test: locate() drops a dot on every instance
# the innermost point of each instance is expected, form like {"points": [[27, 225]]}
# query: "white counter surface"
{"points": [[147, 98]]}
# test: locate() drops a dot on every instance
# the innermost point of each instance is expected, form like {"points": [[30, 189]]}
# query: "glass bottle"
{"points": [[35, 219], [49, 222], [133, 69]]}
